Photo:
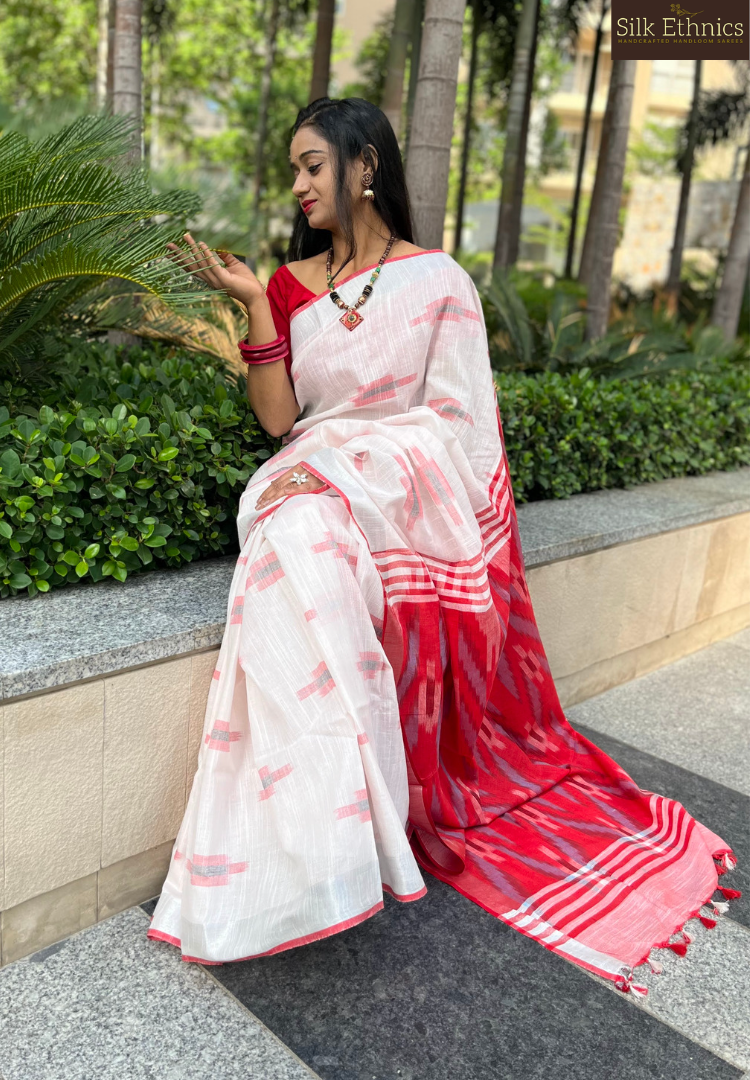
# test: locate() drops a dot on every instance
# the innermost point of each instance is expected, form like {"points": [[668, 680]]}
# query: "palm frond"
{"points": [[72, 221]]}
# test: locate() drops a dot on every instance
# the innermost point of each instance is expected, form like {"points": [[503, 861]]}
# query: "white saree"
{"points": [[296, 821], [382, 700]]}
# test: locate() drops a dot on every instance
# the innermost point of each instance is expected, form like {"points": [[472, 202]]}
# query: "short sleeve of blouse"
{"points": [[285, 294], [276, 291]]}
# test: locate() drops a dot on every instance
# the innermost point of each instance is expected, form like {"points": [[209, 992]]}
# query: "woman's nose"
{"points": [[299, 188]]}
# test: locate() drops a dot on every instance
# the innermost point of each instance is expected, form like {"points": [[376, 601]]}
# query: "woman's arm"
{"points": [[269, 388]]}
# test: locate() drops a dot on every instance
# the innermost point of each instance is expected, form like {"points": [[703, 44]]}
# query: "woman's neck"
{"points": [[371, 238]]}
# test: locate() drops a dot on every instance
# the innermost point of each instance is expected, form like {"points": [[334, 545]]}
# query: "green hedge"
{"points": [[570, 433], [120, 465], [141, 465]]}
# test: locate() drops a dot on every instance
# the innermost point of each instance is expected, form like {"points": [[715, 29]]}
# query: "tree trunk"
{"points": [[111, 17], [154, 146], [587, 252], [514, 135], [272, 31], [605, 238], [728, 301], [678, 245], [428, 164], [416, 45], [102, 48], [514, 241], [321, 72], [570, 253], [127, 91], [393, 91], [466, 146]]}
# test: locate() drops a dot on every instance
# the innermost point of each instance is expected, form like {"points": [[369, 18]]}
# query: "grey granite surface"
{"points": [[694, 713], [704, 993], [559, 528], [110, 1004], [440, 990], [91, 630]]}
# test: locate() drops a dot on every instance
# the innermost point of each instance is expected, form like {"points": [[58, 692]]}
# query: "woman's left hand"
{"points": [[286, 484]]}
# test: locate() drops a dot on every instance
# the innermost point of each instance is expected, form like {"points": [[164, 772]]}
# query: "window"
{"points": [[673, 77]]}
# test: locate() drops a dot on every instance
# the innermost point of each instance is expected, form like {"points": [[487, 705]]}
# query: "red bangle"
{"points": [[266, 353]]}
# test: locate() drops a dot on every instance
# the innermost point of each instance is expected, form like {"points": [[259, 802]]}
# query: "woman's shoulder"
{"points": [[305, 272]]}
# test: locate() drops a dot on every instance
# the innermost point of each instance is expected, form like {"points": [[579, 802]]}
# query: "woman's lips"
{"points": [[308, 204]]}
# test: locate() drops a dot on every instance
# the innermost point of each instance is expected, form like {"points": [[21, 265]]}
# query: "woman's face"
{"points": [[311, 160]]}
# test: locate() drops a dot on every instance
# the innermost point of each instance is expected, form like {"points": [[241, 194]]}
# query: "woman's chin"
{"points": [[317, 221]]}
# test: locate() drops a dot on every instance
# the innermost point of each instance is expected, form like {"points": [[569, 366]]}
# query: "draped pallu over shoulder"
{"points": [[506, 801]]}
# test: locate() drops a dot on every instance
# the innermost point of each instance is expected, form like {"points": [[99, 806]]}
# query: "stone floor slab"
{"points": [[439, 990], [110, 1004], [705, 993], [742, 639], [694, 713]]}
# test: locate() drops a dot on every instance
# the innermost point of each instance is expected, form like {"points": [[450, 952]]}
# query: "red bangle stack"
{"points": [[264, 354]]}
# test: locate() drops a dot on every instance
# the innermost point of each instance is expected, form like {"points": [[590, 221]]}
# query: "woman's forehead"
{"points": [[307, 143]]}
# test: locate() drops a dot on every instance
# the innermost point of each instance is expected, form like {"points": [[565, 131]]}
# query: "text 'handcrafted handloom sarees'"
{"points": [[382, 700]]}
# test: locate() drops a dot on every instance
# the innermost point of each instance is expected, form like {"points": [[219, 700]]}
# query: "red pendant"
{"points": [[351, 320]]}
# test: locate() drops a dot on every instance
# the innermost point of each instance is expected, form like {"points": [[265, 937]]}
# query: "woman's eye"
{"points": [[313, 169]]}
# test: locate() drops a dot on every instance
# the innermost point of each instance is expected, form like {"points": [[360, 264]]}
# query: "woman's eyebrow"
{"points": [[305, 153]]}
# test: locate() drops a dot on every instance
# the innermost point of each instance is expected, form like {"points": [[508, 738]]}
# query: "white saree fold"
{"points": [[382, 700]]}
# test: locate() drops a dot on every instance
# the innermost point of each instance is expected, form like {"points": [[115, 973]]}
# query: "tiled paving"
{"points": [[437, 989]]}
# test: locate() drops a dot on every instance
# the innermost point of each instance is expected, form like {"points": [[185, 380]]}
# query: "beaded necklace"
{"points": [[352, 318]]}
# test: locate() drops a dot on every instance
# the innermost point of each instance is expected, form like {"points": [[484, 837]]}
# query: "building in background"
{"points": [[663, 92]]}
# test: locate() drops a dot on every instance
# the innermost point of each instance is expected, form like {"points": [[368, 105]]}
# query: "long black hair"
{"points": [[348, 125]]}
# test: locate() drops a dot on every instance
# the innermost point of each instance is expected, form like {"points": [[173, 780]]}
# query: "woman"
{"points": [[382, 701]]}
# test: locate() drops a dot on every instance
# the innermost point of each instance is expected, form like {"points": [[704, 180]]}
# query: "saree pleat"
{"points": [[383, 701]]}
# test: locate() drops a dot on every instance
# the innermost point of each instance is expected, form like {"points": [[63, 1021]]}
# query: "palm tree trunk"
{"points": [[605, 239], [570, 253], [514, 137], [102, 47], [587, 252], [728, 301], [416, 45], [127, 90], [272, 31], [678, 245], [393, 91], [428, 163], [321, 72], [154, 146], [111, 17], [514, 241], [466, 145]]}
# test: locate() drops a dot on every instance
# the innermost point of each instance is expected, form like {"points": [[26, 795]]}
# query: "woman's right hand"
{"points": [[236, 279]]}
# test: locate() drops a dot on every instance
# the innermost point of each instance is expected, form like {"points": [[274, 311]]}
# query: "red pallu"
{"points": [[517, 810]]}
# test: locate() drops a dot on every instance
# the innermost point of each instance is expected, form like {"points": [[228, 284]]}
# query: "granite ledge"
{"points": [[94, 630], [563, 528]]}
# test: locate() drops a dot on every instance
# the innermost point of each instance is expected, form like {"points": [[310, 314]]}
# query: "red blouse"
{"points": [[285, 294]]}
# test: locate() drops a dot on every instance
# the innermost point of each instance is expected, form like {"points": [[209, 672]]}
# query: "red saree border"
{"points": [[356, 273], [306, 939]]}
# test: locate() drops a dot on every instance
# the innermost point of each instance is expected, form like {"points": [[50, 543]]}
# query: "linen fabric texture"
{"points": [[382, 704]]}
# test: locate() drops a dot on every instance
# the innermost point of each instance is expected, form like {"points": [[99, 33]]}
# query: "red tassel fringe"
{"points": [[729, 894], [678, 947], [708, 923]]}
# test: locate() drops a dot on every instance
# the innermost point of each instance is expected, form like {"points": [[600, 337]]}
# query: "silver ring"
{"points": [[299, 478]]}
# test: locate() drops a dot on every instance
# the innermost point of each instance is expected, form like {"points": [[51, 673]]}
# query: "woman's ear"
{"points": [[370, 158]]}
